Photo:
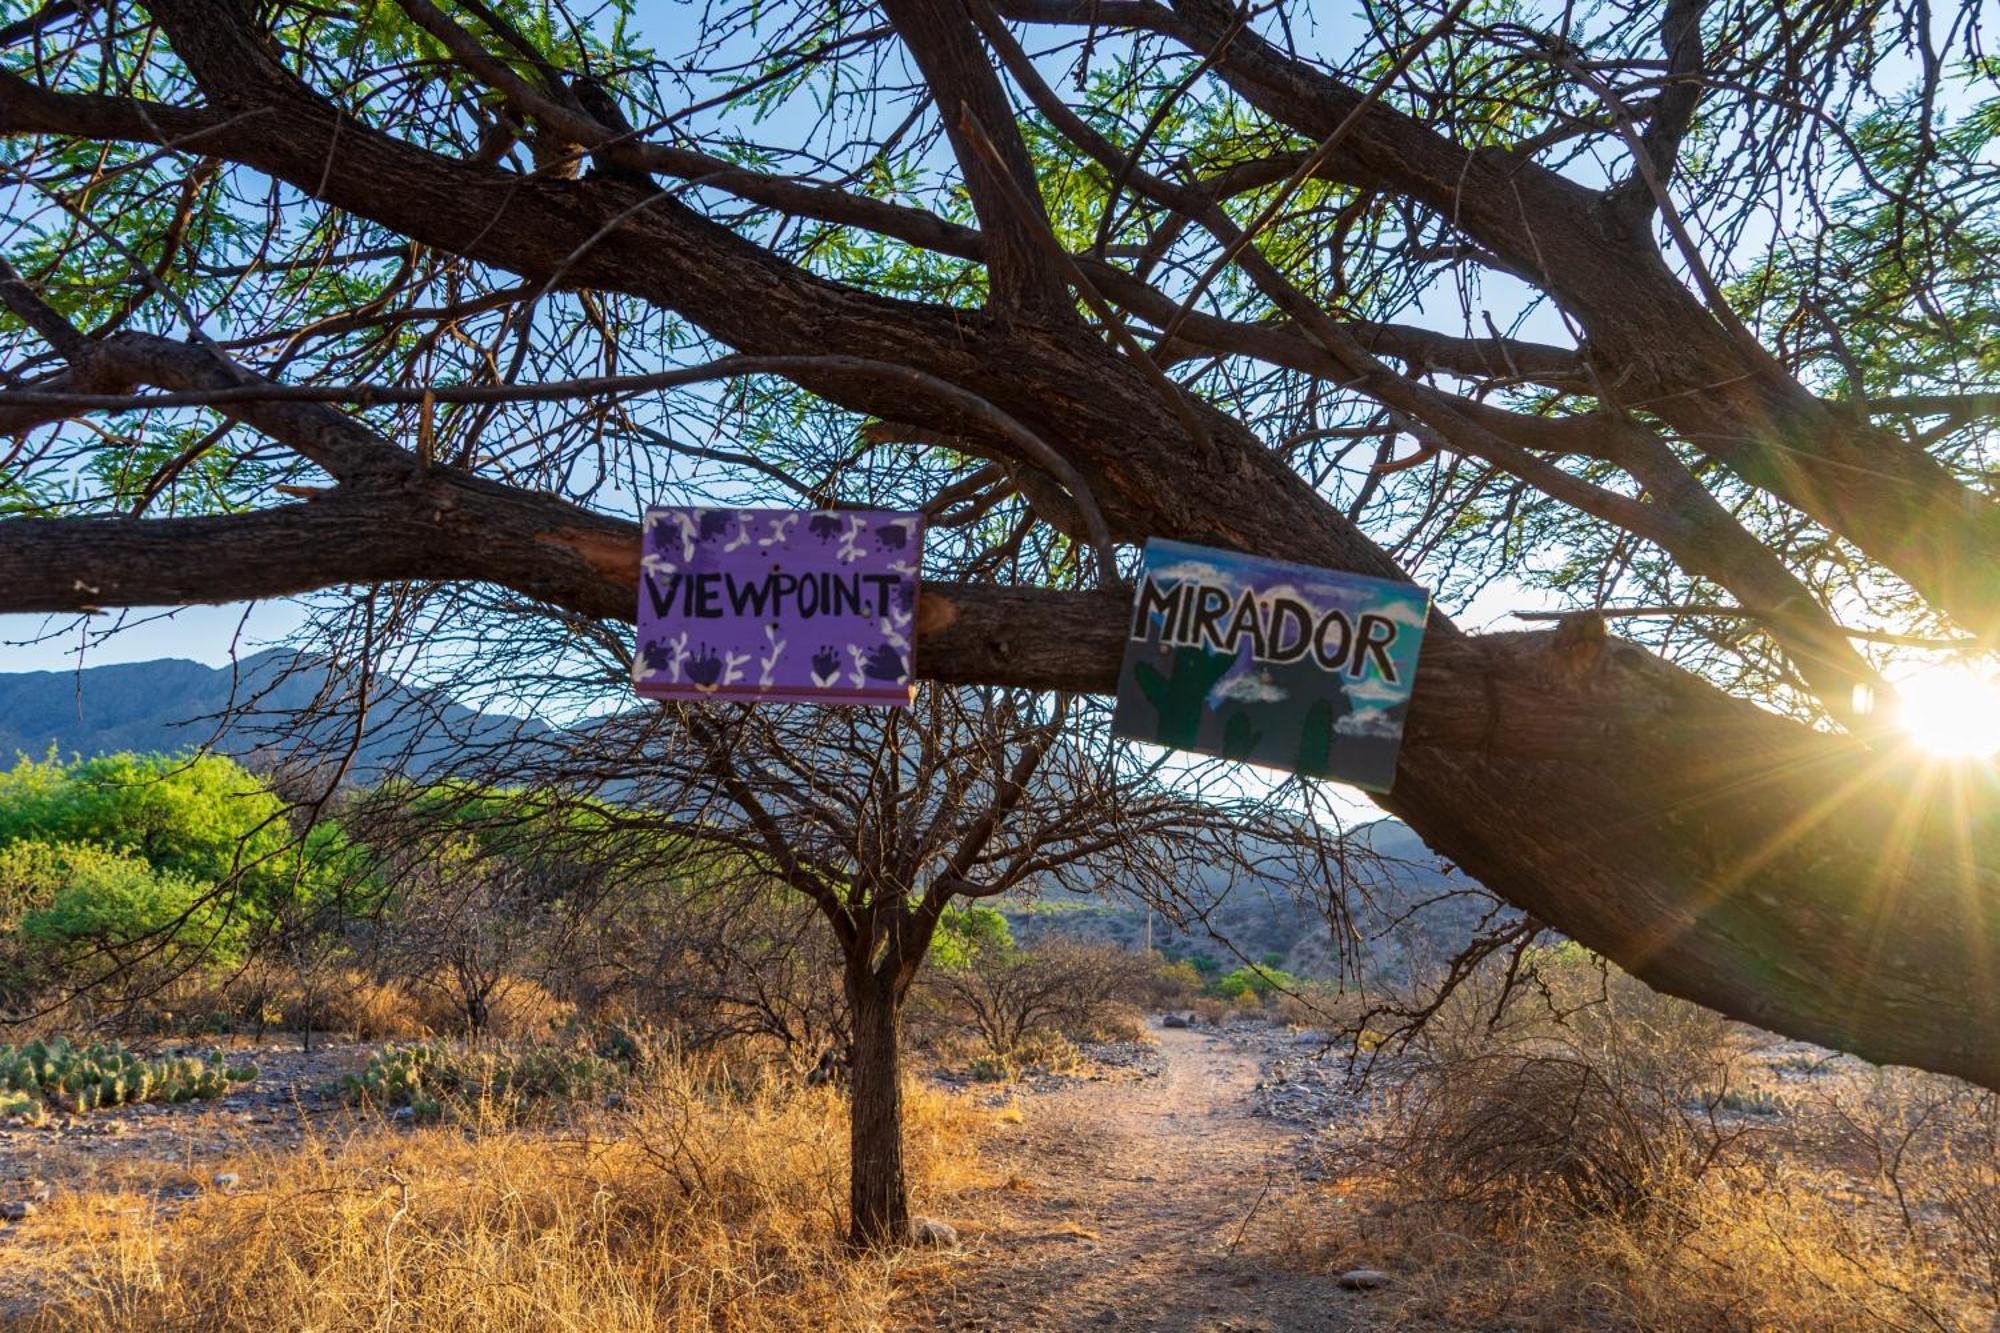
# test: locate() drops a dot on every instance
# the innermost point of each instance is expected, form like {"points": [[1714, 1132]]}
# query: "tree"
{"points": [[879, 822], [1085, 273]]}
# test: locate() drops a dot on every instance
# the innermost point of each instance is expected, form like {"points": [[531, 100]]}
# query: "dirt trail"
{"points": [[1127, 1199]]}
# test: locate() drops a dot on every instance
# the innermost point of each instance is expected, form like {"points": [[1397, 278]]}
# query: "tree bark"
{"points": [[878, 1192]]}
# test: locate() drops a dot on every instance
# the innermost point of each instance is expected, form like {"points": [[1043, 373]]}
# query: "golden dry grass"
{"points": [[705, 1204], [1782, 1251]]}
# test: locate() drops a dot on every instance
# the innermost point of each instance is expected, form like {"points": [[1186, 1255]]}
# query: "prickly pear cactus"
{"points": [[77, 1079]]}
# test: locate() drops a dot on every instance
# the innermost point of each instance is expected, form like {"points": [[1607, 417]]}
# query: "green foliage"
{"points": [[1259, 980], [114, 901], [62, 1075], [166, 861], [1178, 978], [965, 934], [436, 1080], [202, 817]]}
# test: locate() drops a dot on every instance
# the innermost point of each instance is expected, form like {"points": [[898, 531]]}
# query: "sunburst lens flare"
{"points": [[1952, 712]]}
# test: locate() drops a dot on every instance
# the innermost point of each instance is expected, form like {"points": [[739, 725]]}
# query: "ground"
{"points": [[1141, 1203]]}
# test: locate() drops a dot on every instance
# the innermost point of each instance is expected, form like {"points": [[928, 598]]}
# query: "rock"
{"points": [[930, 1231], [1173, 1021], [614, 1101], [225, 1180], [18, 1210], [1363, 1279]]}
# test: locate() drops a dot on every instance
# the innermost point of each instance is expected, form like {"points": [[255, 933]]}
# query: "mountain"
{"points": [[1409, 911], [247, 711]]}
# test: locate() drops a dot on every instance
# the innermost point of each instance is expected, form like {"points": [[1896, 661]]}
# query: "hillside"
{"points": [[248, 711], [1408, 909]]}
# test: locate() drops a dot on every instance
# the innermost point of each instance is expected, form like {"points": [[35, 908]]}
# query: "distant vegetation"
{"points": [[186, 896]]}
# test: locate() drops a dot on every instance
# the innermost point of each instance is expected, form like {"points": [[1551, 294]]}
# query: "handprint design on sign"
{"points": [[705, 668], [807, 605], [885, 664]]}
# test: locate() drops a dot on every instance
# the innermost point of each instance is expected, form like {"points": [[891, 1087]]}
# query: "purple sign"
{"points": [[779, 605]]}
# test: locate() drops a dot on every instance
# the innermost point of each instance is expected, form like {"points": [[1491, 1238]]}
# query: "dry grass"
{"points": [[708, 1202], [1785, 1250], [356, 1005]]}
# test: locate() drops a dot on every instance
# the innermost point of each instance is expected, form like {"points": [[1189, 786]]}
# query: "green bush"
{"points": [[111, 901], [131, 868], [61, 1075], [1259, 980], [436, 1080]]}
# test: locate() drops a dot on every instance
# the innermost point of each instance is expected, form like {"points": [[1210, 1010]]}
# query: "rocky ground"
{"points": [[1098, 1062]]}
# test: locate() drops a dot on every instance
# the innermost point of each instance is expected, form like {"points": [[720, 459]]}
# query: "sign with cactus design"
{"points": [[778, 605], [1271, 663]]}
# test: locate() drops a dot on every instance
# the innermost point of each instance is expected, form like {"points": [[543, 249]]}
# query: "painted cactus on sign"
{"points": [[778, 605]]}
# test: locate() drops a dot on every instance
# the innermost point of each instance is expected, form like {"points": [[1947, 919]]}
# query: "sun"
{"points": [[1952, 712]]}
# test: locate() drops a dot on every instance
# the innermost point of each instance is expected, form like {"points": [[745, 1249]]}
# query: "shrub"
{"points": [[1257, 981], [1551, 1161], [1172, 984], [106, 905], [1317, 1004], [1511, 1130], [1060, 986], [357, 1004]]}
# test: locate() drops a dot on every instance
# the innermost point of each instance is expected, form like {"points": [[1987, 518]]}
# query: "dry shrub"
{"points": [[1744, 1250], [357, 1005], [1321, 1006], [1170, 985], [519, 1009], [1490, 1135], [524, 1010], [1114, 1020], [1212, 1009], [1930, 1145], [1537, 1165], [715, 1200]]}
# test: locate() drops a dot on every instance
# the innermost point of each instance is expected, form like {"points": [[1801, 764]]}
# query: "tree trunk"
{"points": [[878, 1194]]}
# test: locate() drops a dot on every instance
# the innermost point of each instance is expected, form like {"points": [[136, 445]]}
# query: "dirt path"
{"points": [[1126, 1201]]}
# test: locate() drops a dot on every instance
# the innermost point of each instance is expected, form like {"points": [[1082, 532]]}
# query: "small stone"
{"points": [[19, 1209], [225, 1180], [930, 1231], [1363, 1279], [614, 1101], [1173, 1021]]}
